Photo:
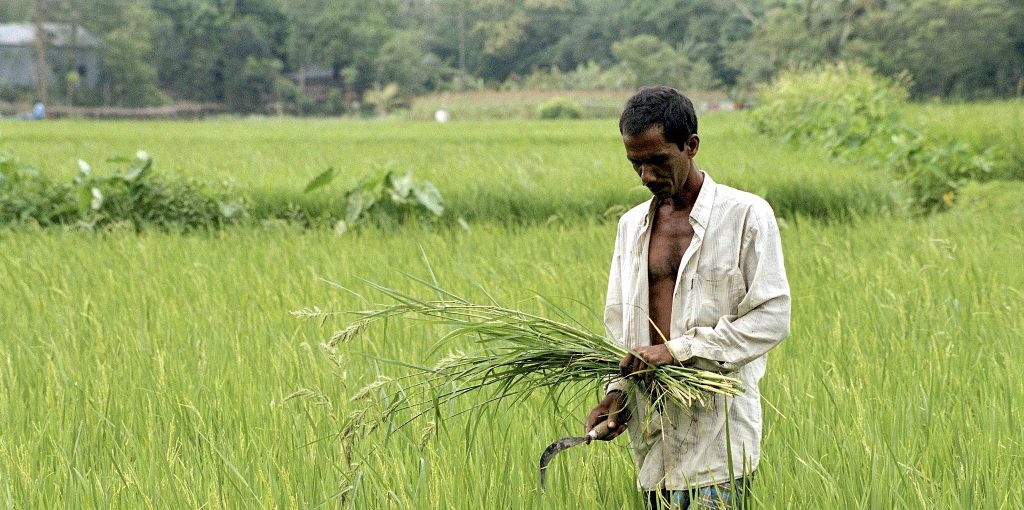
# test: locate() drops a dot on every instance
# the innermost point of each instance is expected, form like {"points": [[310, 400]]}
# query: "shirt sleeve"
{"points": [[613, 306], [762, 318]]}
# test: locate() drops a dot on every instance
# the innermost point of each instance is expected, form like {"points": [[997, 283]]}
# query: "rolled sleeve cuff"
{"points": [[617, 384], [680, 348]]}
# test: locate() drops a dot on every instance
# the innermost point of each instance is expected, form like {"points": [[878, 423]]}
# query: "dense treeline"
{"points": [[333, 56]]}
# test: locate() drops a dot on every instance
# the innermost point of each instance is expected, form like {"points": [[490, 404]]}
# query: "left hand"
{"points": [[645, 357]]}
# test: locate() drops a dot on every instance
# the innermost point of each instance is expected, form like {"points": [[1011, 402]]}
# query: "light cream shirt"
{"points": [[730, 306]]}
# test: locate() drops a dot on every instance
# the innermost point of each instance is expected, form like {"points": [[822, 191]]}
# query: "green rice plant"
{"points": [[163, 371], [518, 354]]}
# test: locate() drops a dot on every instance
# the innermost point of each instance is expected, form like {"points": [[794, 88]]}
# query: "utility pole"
{"points": [[42, 87]]}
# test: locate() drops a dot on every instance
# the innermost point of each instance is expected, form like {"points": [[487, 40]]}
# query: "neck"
{"points": [[689, 191]]}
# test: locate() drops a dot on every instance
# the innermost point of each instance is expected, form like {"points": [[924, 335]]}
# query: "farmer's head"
{"points": [[659, 130], [660, 106]]}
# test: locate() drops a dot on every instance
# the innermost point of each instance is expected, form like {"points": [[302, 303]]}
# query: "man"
{"points": [[697, 278]]}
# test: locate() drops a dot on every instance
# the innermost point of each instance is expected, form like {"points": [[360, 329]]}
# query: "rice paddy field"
{"points": [[160, 370]]}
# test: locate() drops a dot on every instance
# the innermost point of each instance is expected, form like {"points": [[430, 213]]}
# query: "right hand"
{"points": [[613, 409]]}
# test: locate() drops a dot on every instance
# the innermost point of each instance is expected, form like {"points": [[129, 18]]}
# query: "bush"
{"points": [[132, 197], [933, 170], [855, 113], [842, 106], [26, 196], [560, 108], [386, 197]]}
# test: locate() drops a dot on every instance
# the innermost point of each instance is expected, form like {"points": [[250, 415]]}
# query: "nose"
{"points": [[647, 174]]}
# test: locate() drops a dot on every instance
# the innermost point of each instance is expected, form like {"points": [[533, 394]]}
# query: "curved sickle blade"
{"points": [[563, 444], [554, 449]]}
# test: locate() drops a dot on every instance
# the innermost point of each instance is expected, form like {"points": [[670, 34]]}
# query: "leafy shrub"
{"points": [[843, 106], [934, 170], [560, 108], [133, 197], [387, 197], [26, 196], [854, 113]]}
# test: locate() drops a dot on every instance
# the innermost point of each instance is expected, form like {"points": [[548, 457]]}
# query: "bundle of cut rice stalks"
{"points": [[517, 354]]}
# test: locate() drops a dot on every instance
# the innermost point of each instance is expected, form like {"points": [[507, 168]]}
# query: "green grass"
{"points": [[155, 370], [508, 171], [152, 369]]}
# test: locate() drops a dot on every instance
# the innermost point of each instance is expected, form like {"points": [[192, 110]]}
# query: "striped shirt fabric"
{"points": [[731, 305]]}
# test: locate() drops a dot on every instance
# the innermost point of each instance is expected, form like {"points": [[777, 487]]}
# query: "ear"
{"points": [[691, 145]]}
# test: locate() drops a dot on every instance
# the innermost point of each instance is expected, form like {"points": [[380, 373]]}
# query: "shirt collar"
{"points": [[701, 212]]}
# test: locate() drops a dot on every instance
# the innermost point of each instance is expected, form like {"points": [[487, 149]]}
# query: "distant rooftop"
{"points": [[59, 35]]}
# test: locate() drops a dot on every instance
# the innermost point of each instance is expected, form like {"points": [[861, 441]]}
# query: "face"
{"points": [[662, 166]]}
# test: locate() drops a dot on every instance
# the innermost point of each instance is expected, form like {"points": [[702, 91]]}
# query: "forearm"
{"points": [[735, 340]]}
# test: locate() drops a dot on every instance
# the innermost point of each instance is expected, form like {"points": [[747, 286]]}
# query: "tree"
{"points": [[255, 85], [189, 40], [247, 62], [348, 36], [42, 81], [405, 61], [781, 39], [651, 61], [128, 59], [963, 48]]}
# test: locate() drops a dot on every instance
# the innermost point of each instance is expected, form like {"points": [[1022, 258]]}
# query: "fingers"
{"points": [[633, 362], [639, 364], [613, 433], [626, 365], [638, 361], [619, 415], [612, 409], [645, 358], [596, 416], [615, 413]]}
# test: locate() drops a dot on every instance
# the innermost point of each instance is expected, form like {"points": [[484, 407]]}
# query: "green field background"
{"points": [[157, 370], [506, 171]]}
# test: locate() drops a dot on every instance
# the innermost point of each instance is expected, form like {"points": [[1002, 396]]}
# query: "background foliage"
{"points": [[857, 115], [249, 54]]}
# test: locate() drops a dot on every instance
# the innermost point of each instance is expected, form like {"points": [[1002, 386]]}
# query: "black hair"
{"points": [[660, 106]]}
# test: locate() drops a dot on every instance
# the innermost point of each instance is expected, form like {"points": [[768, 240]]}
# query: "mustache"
{"points": [[656, 188]]}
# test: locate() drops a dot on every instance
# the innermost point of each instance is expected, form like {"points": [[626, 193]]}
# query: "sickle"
{"points": [[598, 432]]}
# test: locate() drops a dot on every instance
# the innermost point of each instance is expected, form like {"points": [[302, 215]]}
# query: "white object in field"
{"points": [[441, 116]]}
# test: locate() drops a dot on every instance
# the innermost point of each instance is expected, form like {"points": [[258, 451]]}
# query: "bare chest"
{"points": [[670, 238]]}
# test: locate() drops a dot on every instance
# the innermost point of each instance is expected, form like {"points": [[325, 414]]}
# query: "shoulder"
{"points": [[733, 204], [732, 200]]}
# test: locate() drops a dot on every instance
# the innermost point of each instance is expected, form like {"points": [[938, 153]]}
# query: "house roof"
{"points": [[59, 35]]}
